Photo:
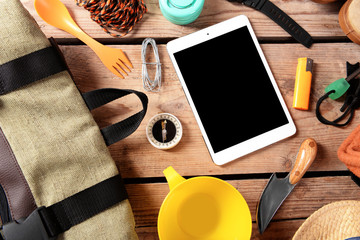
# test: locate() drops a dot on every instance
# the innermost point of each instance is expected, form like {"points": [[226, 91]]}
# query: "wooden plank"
{"points": [[136, 157], [278, 230], [320, 20], [308, 196]]}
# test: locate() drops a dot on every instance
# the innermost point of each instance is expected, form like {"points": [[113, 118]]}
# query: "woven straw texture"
{"points": [[335, 221], [354, 18], [53, 135]]}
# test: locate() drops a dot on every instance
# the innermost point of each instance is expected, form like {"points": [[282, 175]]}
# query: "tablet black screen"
{"points": [[230, 88]]}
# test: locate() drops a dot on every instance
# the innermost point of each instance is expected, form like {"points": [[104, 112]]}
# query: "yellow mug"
{"points": [[202, 208]]}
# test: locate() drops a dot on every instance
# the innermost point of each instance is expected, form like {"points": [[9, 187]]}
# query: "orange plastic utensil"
{"points": [[56, 14]]}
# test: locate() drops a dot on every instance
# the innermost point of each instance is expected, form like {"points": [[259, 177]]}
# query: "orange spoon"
{"points": [[56, 14]]}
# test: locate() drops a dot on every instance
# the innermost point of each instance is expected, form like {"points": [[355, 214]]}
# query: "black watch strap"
{"points": [[281, 18]]}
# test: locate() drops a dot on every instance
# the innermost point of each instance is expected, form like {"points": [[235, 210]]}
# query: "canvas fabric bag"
{"points": [[50, 146]]}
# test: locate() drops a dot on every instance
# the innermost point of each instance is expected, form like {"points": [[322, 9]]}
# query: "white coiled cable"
{"points": [[150, 85]]}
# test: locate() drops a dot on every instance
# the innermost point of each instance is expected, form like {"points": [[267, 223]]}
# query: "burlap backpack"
{"points": [[57, 177]]}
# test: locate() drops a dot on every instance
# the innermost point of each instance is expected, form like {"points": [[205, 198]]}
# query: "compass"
{"points": [[164, 131]]}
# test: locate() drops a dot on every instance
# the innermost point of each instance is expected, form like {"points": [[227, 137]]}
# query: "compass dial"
{"points": [[164, 131]]}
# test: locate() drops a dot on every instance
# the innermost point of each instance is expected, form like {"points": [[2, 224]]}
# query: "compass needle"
{"points": [[164, 131]]}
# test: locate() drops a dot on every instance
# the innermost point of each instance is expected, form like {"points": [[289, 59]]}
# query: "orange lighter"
{"points": [[303, 84]]}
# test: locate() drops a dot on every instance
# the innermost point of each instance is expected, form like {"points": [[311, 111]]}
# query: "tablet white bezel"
{"points": [[254, 143]]}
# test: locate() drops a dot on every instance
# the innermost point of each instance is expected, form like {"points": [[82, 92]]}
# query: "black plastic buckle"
{"points": [[30, 228]]}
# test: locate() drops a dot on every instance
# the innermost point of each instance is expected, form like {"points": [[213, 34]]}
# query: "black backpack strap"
{"points": [[31, 68], [124, 128], [47, 223]]}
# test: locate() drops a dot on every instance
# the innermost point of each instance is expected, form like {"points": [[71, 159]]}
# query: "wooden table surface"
{"points": [[141, 165]]}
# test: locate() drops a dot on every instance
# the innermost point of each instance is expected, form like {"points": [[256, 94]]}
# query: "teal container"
{"points": [[181, 12]]}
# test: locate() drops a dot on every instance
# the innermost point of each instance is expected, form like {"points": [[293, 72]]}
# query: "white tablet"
{"points": [[230, 89]]}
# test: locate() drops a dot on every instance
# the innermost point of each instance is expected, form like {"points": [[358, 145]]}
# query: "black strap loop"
{"points": [[323, 120], [124, 128], [351, 103]]}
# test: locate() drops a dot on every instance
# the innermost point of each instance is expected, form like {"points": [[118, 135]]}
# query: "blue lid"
{"points": [[181, 11]]}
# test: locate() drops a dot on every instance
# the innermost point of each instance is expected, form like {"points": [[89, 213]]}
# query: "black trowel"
{"points": [[277, 190]]}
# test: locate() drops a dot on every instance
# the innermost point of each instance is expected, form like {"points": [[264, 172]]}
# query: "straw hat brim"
{"points": [[338, 220], [349, 20]]}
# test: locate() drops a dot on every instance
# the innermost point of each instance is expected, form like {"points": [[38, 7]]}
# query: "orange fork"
{"points": [[55, 13]]}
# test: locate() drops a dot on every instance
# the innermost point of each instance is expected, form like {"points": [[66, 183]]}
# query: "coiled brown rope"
{"points": [[117, 15]]}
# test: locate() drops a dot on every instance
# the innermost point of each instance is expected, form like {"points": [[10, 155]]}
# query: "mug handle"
{"points": [[172, 177]]}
